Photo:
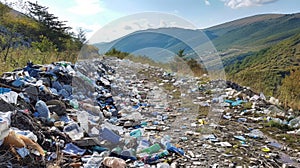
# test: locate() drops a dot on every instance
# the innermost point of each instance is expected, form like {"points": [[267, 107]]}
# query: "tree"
{"points": [[180, 53], [81, 36], [53, 28], [290, 89]]}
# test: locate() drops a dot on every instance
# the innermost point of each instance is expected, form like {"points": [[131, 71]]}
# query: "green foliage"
{"points": [[290, 89], [196, 67], [180, 53], [261, 30], [48, 38], [265, 70], [45, 45], [116, 53], [278, 125]]}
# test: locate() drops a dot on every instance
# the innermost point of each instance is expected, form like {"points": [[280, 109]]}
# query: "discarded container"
{"points": [[107, 134], [42, 109], [73, 149], [4, 124], [83, 119], [74, 131], [152, 149], [114, 162], [23, 152], [136, 133], [94, 161], [256, 134], [266, 149], [239, 137], [74, 103]]}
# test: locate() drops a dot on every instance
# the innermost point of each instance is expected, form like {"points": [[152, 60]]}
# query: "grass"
{"points": [[280, 135]]}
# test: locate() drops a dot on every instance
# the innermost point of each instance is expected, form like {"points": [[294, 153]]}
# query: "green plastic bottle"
{"points": [[152, 149]]}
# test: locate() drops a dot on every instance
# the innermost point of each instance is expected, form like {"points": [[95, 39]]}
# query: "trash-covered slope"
{"points": [[118, 113]]}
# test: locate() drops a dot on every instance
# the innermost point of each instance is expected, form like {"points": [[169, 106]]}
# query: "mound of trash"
{"points": [[117, 113]]}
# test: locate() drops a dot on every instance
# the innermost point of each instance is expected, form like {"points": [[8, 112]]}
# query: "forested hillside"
{"points": [[36, 35], [274, 71]]}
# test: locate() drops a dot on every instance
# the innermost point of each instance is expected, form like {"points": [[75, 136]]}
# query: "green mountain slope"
{"points": [[260, 30], [265, 70], [235, 39]]}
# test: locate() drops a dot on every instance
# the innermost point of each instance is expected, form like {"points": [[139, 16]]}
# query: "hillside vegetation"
{"points": [[260, 30], [37, 36], [273, 70]]}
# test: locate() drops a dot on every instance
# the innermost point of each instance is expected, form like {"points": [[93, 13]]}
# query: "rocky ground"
{"points": [[150, 118]]}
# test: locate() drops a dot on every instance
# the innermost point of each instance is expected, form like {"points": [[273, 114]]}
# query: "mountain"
{"points": [[158, 44], [233, 40], [259, 30], [261, 51]]}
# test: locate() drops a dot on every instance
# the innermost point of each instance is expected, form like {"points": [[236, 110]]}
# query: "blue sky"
{"points": [[92, 15]]}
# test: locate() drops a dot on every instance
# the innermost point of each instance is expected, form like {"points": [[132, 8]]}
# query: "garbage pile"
{"points": [[117, 113]]}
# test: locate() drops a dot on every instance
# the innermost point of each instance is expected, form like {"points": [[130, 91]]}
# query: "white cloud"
{"points": [[246, 3], [207, 2], [86, 7]]}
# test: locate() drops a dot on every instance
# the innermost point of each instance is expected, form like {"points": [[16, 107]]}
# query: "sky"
{"points": [[94, 15]]}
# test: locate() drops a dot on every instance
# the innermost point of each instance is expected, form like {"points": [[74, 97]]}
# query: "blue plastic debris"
{"points": [[4, 90], [239, 137], [42, 109], [73, 149]]}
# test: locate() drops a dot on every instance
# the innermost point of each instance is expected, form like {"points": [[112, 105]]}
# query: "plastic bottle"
{"points": [[152, 149], [94, 161], [42, 109], [74, 131], [166, 142], [83, 119], [114, 162], [136, 133], [74, 103]]}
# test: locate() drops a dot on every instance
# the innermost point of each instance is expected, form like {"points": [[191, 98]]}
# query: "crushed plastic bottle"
{"points": [[74, 131], [74, 103], [152, 149], [114, 162]]}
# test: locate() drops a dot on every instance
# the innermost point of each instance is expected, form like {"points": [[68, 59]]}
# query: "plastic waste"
{"points": [[152, 149], [166, 141], [18, 83], [99, 149], [114, 162], [94, 161], [28, 134], [150, 159], [239, 137], [9, 97], [256, 134], [107, 134], [23, 152], [136, 133], [74, 103], [83, 119], [42, 109], [4, 124], [4, 90], [163, 165], [73, 149], [266, 149], [295, 123], [73, 131]]}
